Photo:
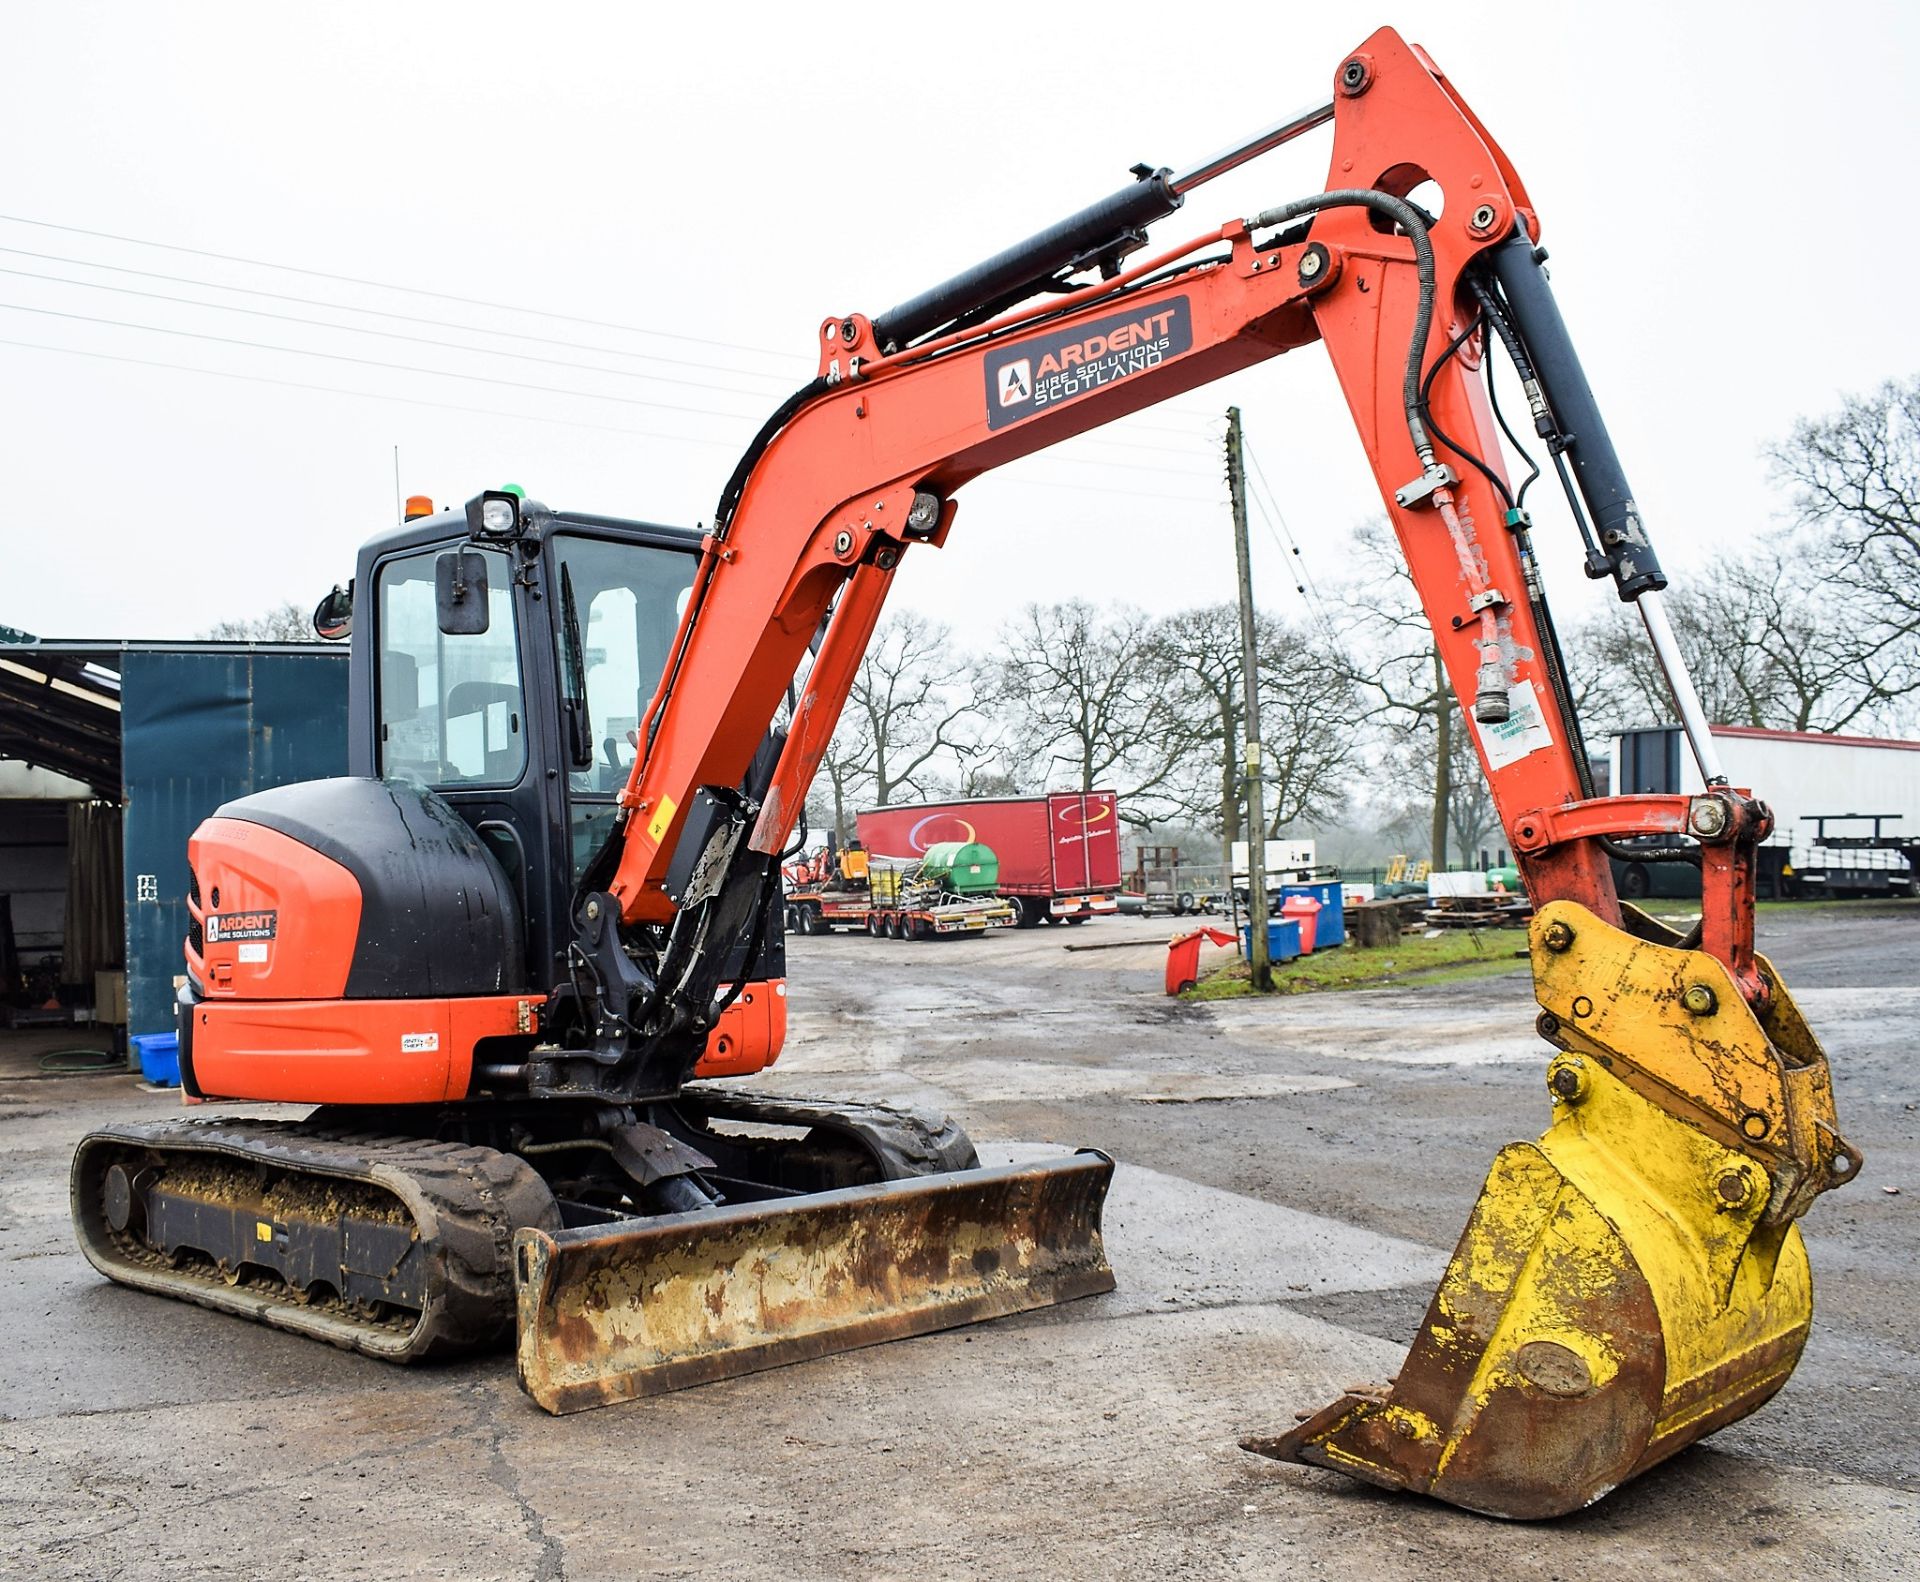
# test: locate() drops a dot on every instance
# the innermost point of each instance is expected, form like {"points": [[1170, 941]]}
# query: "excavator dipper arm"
{"points": [[1633, 1280]]}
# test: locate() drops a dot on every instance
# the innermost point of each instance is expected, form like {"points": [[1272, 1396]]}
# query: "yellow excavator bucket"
{"points": [[609, 1314], [1634, 1280]]}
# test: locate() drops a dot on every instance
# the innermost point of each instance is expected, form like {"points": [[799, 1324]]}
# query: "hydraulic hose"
{"points": [[1414, 223]]}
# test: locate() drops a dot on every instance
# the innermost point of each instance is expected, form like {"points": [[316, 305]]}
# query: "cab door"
{"points": [[468, 715]]}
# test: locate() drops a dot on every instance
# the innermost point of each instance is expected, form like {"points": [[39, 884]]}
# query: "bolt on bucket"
{"points": [[1635, 1280], [608, 1314], [1571, 1347]]}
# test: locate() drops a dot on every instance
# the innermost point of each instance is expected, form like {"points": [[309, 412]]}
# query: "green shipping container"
{"points": [[967, 867]]}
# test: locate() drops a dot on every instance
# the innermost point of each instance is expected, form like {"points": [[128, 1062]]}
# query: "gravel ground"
{"points": [[1292, 1174]]}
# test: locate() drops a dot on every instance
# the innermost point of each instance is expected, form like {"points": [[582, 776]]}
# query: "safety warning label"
{"points": [[1522, 732], [1037, 375]]}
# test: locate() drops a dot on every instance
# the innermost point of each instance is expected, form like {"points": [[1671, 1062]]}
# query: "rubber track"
{"points": [[466, 1202], [905, 1142]]}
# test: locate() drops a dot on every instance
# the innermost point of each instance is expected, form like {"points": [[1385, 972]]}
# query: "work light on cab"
{"points": [[493, 513]]}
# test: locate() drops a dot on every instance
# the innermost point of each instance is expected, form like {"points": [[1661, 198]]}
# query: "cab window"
{"points": [[625, 602], [452, 710]]}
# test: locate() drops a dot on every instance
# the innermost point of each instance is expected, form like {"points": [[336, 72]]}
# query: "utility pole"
{"points": [[1259, 958]]}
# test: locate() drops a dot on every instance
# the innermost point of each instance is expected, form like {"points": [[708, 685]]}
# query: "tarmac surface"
{"points": [[1292, 1175]]}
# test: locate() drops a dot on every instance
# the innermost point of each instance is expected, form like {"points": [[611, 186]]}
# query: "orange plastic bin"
{"points": [[1183, 956], [1305, 911]]}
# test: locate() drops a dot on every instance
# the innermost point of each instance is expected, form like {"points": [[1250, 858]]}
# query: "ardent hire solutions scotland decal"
{"points": [[241, 925], [1045, 372]]}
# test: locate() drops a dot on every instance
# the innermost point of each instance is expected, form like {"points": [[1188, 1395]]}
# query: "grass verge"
{"points": [[1450, 956]]}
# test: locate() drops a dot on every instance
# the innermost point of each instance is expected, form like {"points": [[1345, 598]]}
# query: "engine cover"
{"points": [[349, 889]]}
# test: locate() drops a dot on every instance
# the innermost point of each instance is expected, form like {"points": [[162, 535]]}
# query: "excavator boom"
{"points": [[1635, 1279]]}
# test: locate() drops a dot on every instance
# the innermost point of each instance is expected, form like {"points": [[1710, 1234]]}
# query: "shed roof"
{"points": [[60, 700]]}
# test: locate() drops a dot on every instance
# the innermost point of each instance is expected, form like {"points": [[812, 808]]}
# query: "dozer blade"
{"points": [[611, 1314], [1632, 1282]]}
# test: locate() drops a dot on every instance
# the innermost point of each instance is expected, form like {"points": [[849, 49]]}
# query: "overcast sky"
{"points": [[664, 202]]}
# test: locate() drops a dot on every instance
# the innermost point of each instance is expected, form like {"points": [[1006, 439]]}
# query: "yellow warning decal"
{"points": [[657, 825], [262, 1231]]}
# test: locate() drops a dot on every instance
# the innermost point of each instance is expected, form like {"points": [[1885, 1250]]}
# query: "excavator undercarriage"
{"points": [[845, 1225]]}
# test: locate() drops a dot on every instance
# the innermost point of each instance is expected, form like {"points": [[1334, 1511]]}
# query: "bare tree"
{"points": [[1308, 707], [1766, 644], [844, 768], [1856, 477], [1081, 704], [911, 699], [284, 623], [1198, 654], [985, 777], [1309, 715], [908, 721], [1395, 667], [1617, 682]]}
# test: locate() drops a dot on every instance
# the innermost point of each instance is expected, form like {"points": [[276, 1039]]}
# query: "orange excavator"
{"points": [[512, 1106]]}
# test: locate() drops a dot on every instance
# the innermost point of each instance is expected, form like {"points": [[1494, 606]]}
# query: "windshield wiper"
{"points": [[579, 719]]}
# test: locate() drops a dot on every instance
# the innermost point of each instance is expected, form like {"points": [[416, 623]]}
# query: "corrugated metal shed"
{"points": [[196, 724], [60, 710]]}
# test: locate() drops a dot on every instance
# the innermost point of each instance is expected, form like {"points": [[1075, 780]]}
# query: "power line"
{"points": [[1112, 439], [382, 285], [394, 335], [1306, 586], [370, 362], [1105, 465], [383, 313], [1058, 454], [368, 395], [526, 417], [1142, 425], [1127, 494]]}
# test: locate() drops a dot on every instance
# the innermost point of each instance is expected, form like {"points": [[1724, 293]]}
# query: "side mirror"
{"points": [[460, 592], [333, 616]]}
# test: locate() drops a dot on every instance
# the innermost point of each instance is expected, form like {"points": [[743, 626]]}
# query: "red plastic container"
{"points": [[1305, 911], [1183, 957]]}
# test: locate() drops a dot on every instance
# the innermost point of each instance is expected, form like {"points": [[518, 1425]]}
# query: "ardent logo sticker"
{"points": [[1036, 375], [225, 926]]}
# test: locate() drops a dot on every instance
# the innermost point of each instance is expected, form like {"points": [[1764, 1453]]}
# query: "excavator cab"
{"points": [[526, 723]]}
